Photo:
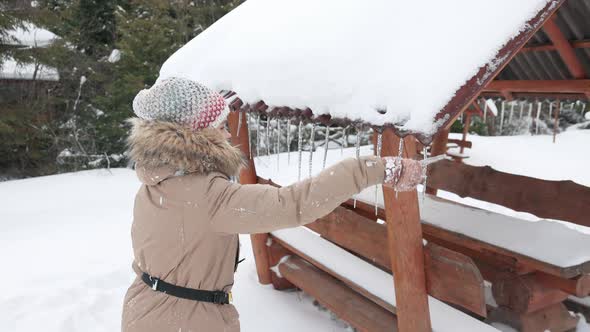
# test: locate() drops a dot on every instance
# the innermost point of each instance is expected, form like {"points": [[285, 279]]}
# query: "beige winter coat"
{"points": [[188, 213]]}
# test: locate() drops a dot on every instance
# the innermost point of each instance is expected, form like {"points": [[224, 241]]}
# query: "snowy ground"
{"points": [[66, 255], [66, 248]]}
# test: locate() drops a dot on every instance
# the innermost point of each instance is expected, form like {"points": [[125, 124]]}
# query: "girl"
{"points": [[188, 214]]}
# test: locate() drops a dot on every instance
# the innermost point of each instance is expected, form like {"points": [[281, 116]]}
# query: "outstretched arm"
{"points": [[256, 208]]}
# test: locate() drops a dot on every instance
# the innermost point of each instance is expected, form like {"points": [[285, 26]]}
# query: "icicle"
{"points": [[502, 108], [511, 111], [530, 113], [288, 141], [358, 141], [239, 123], [258, 136], [583, 108], [424, 171], [400, 154], [344, 142], [300, 147], [485, 110], [378, 154], [327, 141], [539, 106], [268, 136], [249, 133], [311, 147], [278, 152], [550, 109], [358, 149], [521, 109]]}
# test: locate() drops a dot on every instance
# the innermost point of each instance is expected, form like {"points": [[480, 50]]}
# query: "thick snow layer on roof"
{"points": [[352, 58], [31, 35], [10, 69]]}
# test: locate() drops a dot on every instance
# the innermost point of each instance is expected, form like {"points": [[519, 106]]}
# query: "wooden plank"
{"points": [[564, 48], [498, 257], [551, 47], [461, 143], [355, 287], [524, 294], [361, 313], [540, 86], [405, 246], [454, 278], [248, 176], [579, 286], [451, 277], [562, 200], [276, 252], [439, 147], [555, 318]]}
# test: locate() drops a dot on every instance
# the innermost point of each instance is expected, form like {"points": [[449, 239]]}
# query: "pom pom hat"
{"points": [[183, 101]]}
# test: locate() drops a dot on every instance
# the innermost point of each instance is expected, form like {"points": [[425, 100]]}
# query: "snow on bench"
{"points": [[547, 241], [377, 282]]}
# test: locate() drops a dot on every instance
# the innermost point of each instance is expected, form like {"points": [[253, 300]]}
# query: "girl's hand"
{"points": [[403, 174]]}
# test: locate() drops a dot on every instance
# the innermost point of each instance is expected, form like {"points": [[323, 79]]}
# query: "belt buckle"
{"points": [[155, 283], [230, 297]]}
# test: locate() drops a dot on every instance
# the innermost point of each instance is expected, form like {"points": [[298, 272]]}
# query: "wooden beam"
{"points": [[551, 47], [562, 200], [554, 318], [564, 48], [361, 313], [525, 294], [539, 86], [439, 147], [248, 176], [537, 95], [405, 246], [276, 252], [451, 277], [357, 288], [579, 286]]}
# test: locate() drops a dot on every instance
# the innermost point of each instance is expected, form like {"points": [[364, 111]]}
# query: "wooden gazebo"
{"points": [[432, 261]]}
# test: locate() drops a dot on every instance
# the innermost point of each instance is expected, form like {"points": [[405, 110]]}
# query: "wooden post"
{"points": [[465, 131], [248, 176], [439, 147], [405, 247], [555, 123]]}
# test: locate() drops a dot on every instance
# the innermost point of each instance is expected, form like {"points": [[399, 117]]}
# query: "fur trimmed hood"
{"points": [[155, 144]]}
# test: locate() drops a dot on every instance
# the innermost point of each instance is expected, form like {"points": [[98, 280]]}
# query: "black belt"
{"points": [[217, 297]]}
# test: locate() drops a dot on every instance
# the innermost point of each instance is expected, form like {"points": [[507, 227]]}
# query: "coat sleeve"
{"points": [[257, 208]]}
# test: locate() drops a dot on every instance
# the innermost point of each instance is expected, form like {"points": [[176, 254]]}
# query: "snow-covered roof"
{"points": [[31, 36], [10, 69], [379, 61]]}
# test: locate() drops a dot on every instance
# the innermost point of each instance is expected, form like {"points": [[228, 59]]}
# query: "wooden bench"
{"points": [[533, 266], [364, 266], [529, 282]]}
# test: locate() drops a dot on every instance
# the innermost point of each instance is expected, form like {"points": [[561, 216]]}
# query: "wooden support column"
{"points": [[439, 147], [564, 48], [465, 131], [406, 249], [248, 176]]}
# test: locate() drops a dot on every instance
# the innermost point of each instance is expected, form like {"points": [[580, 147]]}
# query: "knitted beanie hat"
{"points": [[181, 101]]}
